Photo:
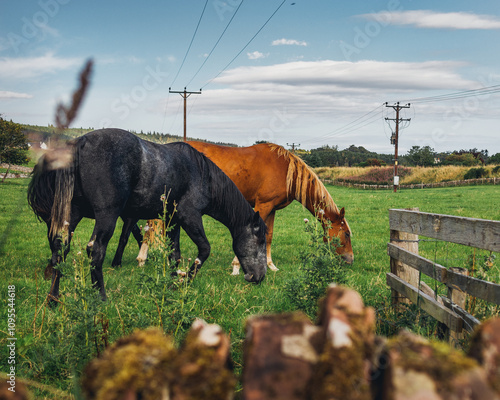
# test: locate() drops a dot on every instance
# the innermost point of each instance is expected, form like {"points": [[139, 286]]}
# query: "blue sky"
{"points": [[318, 73]]}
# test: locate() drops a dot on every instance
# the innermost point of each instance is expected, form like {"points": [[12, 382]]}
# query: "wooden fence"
{"points": [[466, 182], [406, 265]]}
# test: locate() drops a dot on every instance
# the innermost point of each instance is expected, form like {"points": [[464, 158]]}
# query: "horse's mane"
{"points": [[307, 183], [225, 195]]}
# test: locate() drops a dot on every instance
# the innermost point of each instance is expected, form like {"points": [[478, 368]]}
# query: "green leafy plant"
{"points": [[320, 266], [476, 173], [483, 267], [169, 290]]}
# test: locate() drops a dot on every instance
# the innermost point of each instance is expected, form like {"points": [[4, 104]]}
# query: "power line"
{"points": [[458, 95], [182, 64], [246, 45], [190, 44], [216, 43], [355, 125], [360, 122]]}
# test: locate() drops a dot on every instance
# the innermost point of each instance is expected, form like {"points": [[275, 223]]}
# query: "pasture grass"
{"points": [[55, 343]]}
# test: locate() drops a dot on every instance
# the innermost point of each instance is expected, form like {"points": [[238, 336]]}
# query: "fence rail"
{"points": [[466, 182], [406, 264]]}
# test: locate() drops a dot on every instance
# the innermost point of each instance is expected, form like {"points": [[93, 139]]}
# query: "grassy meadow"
{"points": [[54, 344]]}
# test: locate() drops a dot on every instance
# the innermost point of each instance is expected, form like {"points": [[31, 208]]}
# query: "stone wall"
{"points": [[288, 357]]}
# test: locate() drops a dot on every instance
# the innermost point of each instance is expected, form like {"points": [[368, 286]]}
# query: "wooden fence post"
{"points": [[458, 297], [409, 242]]}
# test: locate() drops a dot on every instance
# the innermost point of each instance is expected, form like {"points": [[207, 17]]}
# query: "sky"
{"points": [[310, 73]]}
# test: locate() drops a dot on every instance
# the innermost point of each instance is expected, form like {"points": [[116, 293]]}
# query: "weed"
{"points": [[483, 267], [320, 266], [169, 291]]}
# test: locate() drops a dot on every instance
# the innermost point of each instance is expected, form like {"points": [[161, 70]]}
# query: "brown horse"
{"points": [[270, 178]]}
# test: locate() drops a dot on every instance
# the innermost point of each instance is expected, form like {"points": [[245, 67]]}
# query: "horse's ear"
{"points": [[342, 213]]}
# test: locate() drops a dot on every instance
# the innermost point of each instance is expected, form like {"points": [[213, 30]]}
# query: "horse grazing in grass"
{"points": [[111, 173], [270, 178]]}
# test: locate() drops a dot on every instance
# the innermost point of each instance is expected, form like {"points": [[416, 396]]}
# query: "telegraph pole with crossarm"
{"points": [[185, 94], [293, 146], [395, 138]]}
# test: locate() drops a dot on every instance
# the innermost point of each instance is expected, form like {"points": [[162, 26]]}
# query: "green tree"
{"points": [[461, 159], [13, 145], [494, 159], [421, 156]]}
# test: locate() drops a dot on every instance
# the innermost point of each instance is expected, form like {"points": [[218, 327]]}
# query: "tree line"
{"points": [[332, 156], [14, 150]]}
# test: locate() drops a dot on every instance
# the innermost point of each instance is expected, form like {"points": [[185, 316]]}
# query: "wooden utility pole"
{"points": [[293, 146], [395, 138], [185, 95]]}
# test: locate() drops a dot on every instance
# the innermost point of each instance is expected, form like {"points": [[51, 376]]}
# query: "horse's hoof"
{"points": [[236, 270], [272, 267]]}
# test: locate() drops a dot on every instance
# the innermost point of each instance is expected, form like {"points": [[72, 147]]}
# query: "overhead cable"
{"points": [[216, 43], [246, 45], [190, 44], [457, 95]]}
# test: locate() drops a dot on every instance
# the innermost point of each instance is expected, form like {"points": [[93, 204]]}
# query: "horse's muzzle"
{"points": [[254, 278], [348, 258]]}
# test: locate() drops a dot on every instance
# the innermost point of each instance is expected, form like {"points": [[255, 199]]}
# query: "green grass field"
{"points": [[53, 345]]}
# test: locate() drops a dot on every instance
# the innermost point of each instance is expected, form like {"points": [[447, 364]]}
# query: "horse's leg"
{"points": [[50, 271], [103, 231], [128, 226], [192, 224], [150, 239], [56, 248], [136, 232], [269, 238], [175, 236]]}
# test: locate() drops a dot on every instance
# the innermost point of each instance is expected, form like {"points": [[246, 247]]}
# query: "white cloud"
{"points": [[289, 42], [29, 67], [435, 20], [367, 75], [255, 55], [14, 95]]}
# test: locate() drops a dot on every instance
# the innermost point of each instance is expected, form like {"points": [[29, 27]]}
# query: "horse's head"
{"points": [[339, 228], [249, 245]]}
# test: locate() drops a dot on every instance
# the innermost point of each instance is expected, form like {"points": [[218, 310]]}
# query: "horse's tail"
{"points": [[50, 190]]}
